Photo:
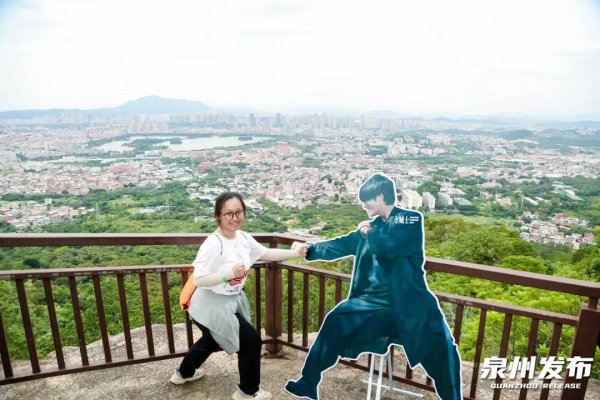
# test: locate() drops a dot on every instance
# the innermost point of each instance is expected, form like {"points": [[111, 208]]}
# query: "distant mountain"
{"points": [[152, 105], [149, 105], [510, 120], [322, 110], [389, 114], [28, 114], [155, 105], [240, 111]]}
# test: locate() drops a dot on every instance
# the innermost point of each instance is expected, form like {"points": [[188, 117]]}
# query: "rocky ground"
{"points": [[151, 380]]}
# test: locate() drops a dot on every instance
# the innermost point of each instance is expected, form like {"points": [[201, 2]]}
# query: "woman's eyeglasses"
{"points": [[238, 214]]}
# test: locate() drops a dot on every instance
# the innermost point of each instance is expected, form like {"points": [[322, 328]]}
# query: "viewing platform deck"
{"points": [[138, 362]]}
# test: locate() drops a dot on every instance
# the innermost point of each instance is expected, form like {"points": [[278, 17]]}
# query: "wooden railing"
{"points": [[278, 290]]}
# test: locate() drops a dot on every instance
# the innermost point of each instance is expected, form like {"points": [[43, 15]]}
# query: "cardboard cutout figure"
{"points": [[389, 302]]}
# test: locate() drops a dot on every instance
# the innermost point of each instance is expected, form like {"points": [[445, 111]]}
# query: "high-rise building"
{"points": [[466, 171], [445, 199], [428, 201], [367, 123], [411, 199], [264, 125]]}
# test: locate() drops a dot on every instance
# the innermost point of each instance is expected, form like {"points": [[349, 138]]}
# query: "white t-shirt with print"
{"points": [[218, 253]]}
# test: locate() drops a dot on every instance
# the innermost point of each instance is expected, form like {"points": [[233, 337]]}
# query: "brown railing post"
{"points": [[587, 336], [273, 303], [6, 365], [33, 356], [268, 305]]}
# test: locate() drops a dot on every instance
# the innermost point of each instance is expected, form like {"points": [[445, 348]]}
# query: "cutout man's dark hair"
{"points": [[376, 185]]}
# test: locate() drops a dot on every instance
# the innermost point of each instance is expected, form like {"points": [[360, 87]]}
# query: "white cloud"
{"points": [[419, 57]]}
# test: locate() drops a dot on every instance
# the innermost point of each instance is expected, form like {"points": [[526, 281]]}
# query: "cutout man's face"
{"points": [[375, 207]]}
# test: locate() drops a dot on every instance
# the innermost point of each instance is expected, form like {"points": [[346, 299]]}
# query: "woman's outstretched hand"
{"points": [[300, 248]]}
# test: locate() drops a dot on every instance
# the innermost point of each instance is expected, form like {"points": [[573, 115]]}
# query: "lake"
{"points": [[187, 144]]}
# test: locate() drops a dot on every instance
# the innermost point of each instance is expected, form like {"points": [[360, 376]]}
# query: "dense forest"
{"points": [[487, 241]]}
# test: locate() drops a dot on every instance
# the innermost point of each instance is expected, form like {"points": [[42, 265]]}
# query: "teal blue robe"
{"points": [[388, 303]]}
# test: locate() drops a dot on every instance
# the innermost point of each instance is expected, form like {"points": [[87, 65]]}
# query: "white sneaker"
{"points": [[177, 379], [260, 395]]}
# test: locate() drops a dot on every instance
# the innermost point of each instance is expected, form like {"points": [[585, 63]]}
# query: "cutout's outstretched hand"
{"points": [[364, 228]]}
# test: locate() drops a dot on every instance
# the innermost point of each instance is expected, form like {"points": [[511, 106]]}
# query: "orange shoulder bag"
{"points": [[186, 293]]}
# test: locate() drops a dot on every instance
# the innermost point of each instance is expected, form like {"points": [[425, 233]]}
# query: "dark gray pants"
{"points": [[248, 355]]}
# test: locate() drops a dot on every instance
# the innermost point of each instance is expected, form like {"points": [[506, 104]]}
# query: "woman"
{"points": [[220, 307]]}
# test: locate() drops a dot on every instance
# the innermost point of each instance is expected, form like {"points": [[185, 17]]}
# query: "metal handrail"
{"points": [[271, 276]]}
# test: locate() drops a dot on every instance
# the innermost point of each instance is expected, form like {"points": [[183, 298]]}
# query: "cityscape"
{"points": [[439, 165]]}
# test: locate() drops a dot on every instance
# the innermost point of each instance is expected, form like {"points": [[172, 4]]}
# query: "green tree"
{"points": [[486, 245], [594, 269], [429, 186], [524, 263]]}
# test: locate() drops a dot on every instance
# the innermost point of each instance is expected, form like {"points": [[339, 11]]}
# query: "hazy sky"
{"points": [[415, 57]]}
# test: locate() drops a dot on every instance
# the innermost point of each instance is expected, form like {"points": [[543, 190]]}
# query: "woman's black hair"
{"points": [[223, 197], [376, 185]]}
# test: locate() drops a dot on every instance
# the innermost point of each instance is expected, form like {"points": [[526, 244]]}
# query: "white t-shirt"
{"points": [[218, 253]]}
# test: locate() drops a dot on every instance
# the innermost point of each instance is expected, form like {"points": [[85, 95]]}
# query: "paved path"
{"points": [[151, 380]]}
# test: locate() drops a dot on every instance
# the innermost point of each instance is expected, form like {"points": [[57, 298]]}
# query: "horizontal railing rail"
{"points": [[118, 239], [143, 273], [96, 275], [521, 278], [503, 275], [280, 300], [462, 305]]}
